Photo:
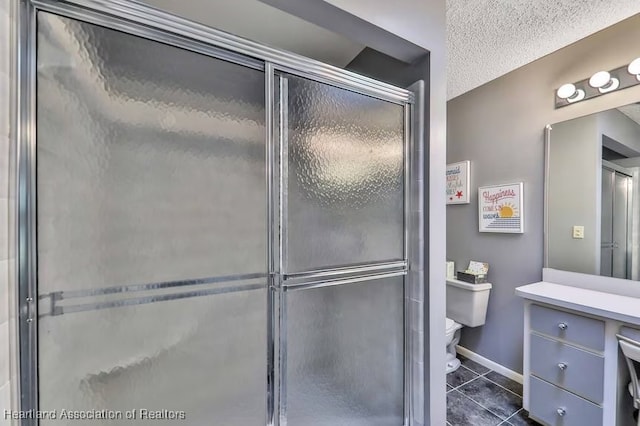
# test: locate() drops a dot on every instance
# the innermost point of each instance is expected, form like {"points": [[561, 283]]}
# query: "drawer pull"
{"points": [[561, 412], [562, 366], [563, 326]]}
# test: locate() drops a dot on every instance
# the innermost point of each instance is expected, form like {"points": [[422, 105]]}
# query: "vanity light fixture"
{"points": [[634, 68], [600, 83], [603, 81]]}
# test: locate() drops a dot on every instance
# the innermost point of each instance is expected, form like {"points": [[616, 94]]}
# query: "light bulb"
{"points": [[570, 93], [566, 91], [603, 81], [600, 79], [634, 68]]}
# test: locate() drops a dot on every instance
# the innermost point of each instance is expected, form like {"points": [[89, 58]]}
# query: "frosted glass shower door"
{"points": [[345, 198], [151, 230], [344, 222]]}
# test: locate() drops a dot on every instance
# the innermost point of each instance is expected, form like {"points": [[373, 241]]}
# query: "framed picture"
{"points": [[458, 182], [501, 209]]}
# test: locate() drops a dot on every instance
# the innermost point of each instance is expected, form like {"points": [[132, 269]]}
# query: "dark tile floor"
{"points": [[478, 396]]}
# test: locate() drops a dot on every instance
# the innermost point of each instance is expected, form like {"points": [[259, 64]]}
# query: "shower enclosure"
{"points": [[210, 231], [616, 215]]}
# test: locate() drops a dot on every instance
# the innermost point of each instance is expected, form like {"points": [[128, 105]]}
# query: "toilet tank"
{"points": [[467, 303]]}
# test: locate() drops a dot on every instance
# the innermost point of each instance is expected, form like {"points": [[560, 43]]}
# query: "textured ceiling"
{"points": [[489, 38], [632, 111]]}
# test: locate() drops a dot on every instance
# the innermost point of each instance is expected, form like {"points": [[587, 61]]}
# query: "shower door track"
{"points": [[143, 21]]}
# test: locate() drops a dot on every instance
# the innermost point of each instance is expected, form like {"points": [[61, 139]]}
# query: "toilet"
{"points": [[466, 307]]}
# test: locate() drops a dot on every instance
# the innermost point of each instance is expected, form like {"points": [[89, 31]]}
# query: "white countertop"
{"points": [[599, 303]]}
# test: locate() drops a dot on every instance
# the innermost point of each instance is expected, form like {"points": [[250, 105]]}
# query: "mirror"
{"points": [[592, 208]]}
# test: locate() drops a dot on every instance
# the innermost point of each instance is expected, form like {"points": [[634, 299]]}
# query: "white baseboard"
{"points": [[489, 364]]}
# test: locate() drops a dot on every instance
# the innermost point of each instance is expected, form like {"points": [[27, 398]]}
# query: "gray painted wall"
{"points": [[624, 132], [574, 195], [500, 128]]}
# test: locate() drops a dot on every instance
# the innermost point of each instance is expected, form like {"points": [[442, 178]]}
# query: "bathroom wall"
{"points": [[6, 323], [623, 132], [500, 128]]}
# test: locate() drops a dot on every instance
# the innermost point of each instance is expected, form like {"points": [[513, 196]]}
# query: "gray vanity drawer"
{"points": [[546, 400], [587, 332], [583, 371]]}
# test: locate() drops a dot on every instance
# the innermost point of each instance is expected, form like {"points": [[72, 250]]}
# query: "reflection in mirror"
{"points": [[592, 194]]}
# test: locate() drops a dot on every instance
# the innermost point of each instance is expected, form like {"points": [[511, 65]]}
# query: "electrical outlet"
{"points": [[578, 232]]}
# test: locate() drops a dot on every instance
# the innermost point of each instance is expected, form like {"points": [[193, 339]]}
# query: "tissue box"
{"points": [[471, 278]]}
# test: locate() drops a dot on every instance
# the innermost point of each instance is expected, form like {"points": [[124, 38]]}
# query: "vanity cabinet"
{"points": [[573, 371], [566, 368], [565, 326], [555, 406]]}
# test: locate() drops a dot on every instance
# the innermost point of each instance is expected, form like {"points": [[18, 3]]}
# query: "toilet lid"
{"points": [[450, 324]]}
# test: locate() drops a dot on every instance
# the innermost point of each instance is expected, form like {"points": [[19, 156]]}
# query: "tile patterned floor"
{"points": [[478, 396]]}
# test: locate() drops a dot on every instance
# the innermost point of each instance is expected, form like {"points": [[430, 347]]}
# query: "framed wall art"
{"points": [[458, 182], [501, 209]]}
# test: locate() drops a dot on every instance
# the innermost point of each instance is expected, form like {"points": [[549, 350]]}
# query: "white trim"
{"points": [[485, 362]]}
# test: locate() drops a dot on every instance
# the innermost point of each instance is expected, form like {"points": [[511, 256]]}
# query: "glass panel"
{"points": [[345, 355], [204, 356], [151, 167], [345, 186], [151, 161]]}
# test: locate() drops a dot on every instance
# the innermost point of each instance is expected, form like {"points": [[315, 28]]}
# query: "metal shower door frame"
{"points": [[143, 21], [283, 282]]}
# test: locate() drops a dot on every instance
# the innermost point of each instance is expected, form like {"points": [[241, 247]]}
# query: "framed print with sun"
{"points": [[458, 182], [500, 208]]}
